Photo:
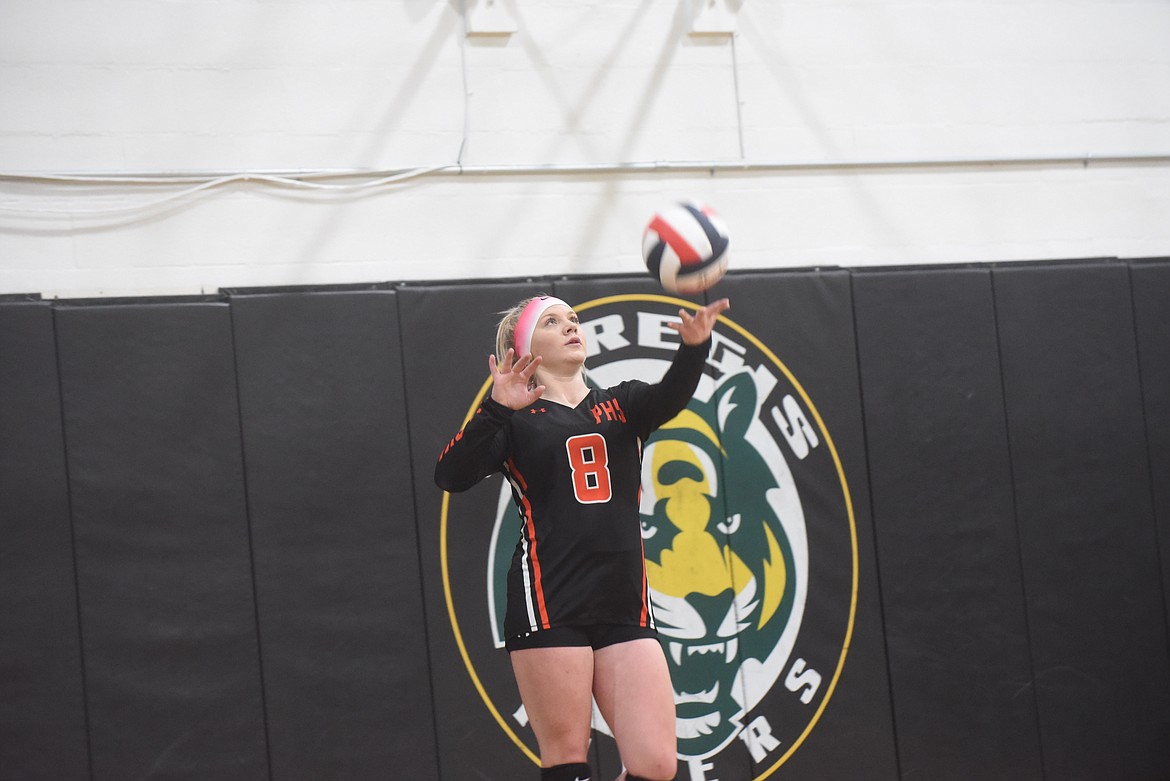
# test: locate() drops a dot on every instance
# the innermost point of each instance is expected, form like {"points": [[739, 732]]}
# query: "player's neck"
{"points": [[568, 389]]}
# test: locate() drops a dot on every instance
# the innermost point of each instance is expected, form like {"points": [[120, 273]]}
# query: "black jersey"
{"points": [[576, 476]]}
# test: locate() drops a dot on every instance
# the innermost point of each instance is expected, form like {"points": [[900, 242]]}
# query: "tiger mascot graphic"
{"points": [[724, 579]]}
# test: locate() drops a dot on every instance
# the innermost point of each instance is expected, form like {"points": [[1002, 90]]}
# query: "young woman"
{"points": [[579, 624]]}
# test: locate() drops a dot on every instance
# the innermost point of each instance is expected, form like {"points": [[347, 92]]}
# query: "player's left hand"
{"points": [[697, 329]]}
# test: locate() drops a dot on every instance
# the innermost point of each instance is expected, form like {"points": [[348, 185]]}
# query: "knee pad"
{"points": [[574, 771]]}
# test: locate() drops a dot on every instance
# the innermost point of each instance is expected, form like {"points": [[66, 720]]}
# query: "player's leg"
{"points": [[556, 689], [631, 683]]}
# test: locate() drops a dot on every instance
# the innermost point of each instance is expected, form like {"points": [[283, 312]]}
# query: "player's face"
{"points": [[558, 337]]}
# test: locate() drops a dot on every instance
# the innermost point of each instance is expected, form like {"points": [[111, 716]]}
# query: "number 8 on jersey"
{"points": [[590, 464]]}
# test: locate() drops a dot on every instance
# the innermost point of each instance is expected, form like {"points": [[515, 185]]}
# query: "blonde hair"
{"points": [[506, 329], [506, 332]]}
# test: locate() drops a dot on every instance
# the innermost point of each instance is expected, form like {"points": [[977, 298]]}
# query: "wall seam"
{"points": [[251, 544], [1149, 456], [991, 276], [881, 602], [418, 537], [73, 543]]}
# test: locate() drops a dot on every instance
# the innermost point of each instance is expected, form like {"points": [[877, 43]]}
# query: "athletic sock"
{"points": [[574, 771]]}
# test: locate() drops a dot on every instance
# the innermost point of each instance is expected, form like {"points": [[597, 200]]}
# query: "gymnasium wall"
{"points": [[222, 554], [135, 136]]}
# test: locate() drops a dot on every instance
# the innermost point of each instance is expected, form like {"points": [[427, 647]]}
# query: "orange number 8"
{"points": [[590, 464]]}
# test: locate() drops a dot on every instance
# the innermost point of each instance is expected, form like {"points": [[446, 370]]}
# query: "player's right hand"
{"points": [[511, 380]]}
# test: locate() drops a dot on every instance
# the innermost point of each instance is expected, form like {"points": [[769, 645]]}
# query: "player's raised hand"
{"points": [[695, 330], [511, 379]]}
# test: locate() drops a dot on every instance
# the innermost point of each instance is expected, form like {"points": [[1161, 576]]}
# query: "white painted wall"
{"points": [[778, 111]]}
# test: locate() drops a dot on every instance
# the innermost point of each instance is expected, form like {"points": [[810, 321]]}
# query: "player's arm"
{"points": [[658, 403], [479, 447], [477, 450], [653, 405]]}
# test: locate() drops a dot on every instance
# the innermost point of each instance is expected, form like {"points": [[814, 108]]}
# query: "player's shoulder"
{"points": [[626, 384], [626, 387]]}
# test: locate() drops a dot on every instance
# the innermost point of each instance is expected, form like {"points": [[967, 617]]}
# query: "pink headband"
{"points": [[526, 324]]}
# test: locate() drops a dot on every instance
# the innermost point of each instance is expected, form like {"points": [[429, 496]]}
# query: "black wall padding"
{"points": [[335, 547], [222, 552], [156, 479], [1083, 501], [1151, 294], [946, 538], [447, 334], [42, 708]]}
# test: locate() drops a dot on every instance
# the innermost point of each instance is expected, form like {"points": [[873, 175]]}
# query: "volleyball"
{"points": [[685, 247]]}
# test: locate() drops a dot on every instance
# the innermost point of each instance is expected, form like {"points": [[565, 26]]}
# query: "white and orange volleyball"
{"points": [[685, 247]]}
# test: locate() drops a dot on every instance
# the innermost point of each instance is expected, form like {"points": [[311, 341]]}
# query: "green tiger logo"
{"points": [[722, 572]]}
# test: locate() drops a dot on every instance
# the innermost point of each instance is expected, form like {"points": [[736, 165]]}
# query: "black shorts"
{"points": [[594, 636]]}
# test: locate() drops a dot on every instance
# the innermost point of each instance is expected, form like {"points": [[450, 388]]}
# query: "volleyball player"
{"points": [[579, 623]]}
